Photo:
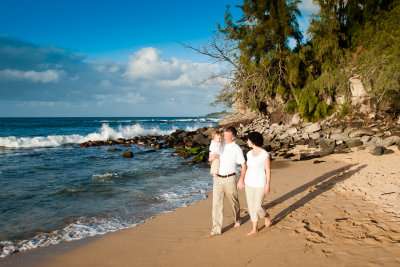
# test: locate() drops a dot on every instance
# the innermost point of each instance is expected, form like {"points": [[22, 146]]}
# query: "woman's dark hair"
{"points": [[256, 138]]}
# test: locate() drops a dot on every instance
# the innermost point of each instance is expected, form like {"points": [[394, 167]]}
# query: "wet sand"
{"points": [[336, 212]]}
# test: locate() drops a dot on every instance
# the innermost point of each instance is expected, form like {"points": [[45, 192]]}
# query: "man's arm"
{"points": [[240, 184]]}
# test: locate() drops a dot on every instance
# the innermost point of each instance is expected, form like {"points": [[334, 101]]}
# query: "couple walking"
{"points": [[255, 178]]}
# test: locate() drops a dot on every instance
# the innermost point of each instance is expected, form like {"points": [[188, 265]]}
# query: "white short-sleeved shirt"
{"points": [[231, 154], [214, 147], [255, 174]]}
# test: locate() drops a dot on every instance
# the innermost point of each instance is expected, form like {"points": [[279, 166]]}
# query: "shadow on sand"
{"points": [[320, 185]]}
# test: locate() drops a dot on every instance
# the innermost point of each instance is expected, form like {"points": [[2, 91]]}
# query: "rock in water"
{"points": [[127, 154], [184, 155], [114, 149]]}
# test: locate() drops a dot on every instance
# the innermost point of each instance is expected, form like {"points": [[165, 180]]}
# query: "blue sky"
{"points": [[108, 58]]}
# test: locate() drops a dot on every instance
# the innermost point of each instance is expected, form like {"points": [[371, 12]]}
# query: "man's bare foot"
{"points": [[252, 233], [212, 235], [267, 221], [237, 224]]}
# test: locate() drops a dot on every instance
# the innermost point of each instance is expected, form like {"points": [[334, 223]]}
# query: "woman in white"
{"points": [[257, 180]]}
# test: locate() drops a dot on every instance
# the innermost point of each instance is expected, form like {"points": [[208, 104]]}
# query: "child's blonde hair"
{"points": [[215, 133]]}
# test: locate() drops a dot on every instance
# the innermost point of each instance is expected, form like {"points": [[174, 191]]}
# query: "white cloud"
{"points": [[308, 7], [113, 69], [39, 103], [129, 98], [148, 64], [42, 78], [48, 76]]}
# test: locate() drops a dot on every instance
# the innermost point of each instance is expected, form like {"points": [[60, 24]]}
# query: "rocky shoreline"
{"points": [[295, 140]]}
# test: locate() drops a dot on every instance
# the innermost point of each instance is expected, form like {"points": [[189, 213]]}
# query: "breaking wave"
{"points": [[105, 133]]}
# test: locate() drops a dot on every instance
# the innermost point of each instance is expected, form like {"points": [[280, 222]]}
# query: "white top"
{"points": [[255, 174], [231, 154], [214, 148]]}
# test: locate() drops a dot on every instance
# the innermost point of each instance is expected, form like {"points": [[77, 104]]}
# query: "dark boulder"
{"points": [[378, 151], [114, 149], [201, 140], [353, 143], [327, 147], [388, 151], [188, 163], [127, 154], [177, 132], [120, 141], [302, 142], [308, 156], [189, 144], [312, 144], [184, 155]]}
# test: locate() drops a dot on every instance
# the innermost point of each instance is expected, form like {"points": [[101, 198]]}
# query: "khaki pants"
{"points": [[222, 187], [255, 198], [215, 166]]}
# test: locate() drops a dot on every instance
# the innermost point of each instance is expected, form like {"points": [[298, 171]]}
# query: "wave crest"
{"points": [[105, 133]]}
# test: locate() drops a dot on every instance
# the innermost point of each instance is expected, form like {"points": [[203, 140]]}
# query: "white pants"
{"points": [[255, 199]]}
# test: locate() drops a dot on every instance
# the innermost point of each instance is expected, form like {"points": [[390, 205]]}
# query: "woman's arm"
{"points": [[267, 166]]}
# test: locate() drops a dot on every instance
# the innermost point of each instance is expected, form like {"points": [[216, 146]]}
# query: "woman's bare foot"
{"points": [[253, 232], [267, 221], [212, 235]]}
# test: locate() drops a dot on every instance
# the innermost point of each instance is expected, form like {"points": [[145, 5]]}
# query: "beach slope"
{"points": [[315, 222]]}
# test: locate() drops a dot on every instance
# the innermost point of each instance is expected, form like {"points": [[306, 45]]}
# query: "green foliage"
{"points": [[201, 157], [196, 150], [344, 110], [312, 107], [346, 38], [378, 62], [291, 107], [200, 153], [262, 42]]}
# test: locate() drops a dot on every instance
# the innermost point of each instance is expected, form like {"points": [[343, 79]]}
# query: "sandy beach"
{"points": [[340, 210]]}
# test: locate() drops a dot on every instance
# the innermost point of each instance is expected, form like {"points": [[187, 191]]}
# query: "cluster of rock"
{"points": [[332, 135], [186, 144], [152, 141]]}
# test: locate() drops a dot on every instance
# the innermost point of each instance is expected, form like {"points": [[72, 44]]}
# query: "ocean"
{"points": [[52, 190]]}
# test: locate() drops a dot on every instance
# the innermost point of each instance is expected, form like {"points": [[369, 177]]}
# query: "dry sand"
{"points": [[341, 212]]}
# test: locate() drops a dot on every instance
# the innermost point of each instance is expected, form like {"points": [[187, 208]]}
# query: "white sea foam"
{"points": [[195, 127], [170, 196], [164, 120], [77, 230], [176, 196], [105, 176], [105, 133]]}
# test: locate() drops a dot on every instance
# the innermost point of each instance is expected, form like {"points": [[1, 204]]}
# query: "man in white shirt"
{"points": [[225, 183]]}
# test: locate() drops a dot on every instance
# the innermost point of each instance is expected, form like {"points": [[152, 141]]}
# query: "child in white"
{"points": [[257, 180], [215, 149]]}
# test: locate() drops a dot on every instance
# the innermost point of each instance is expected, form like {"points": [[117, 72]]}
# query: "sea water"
{"points": [[52, 190]]}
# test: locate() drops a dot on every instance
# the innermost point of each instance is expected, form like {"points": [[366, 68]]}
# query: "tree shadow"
{"points": [[321, 184]]}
